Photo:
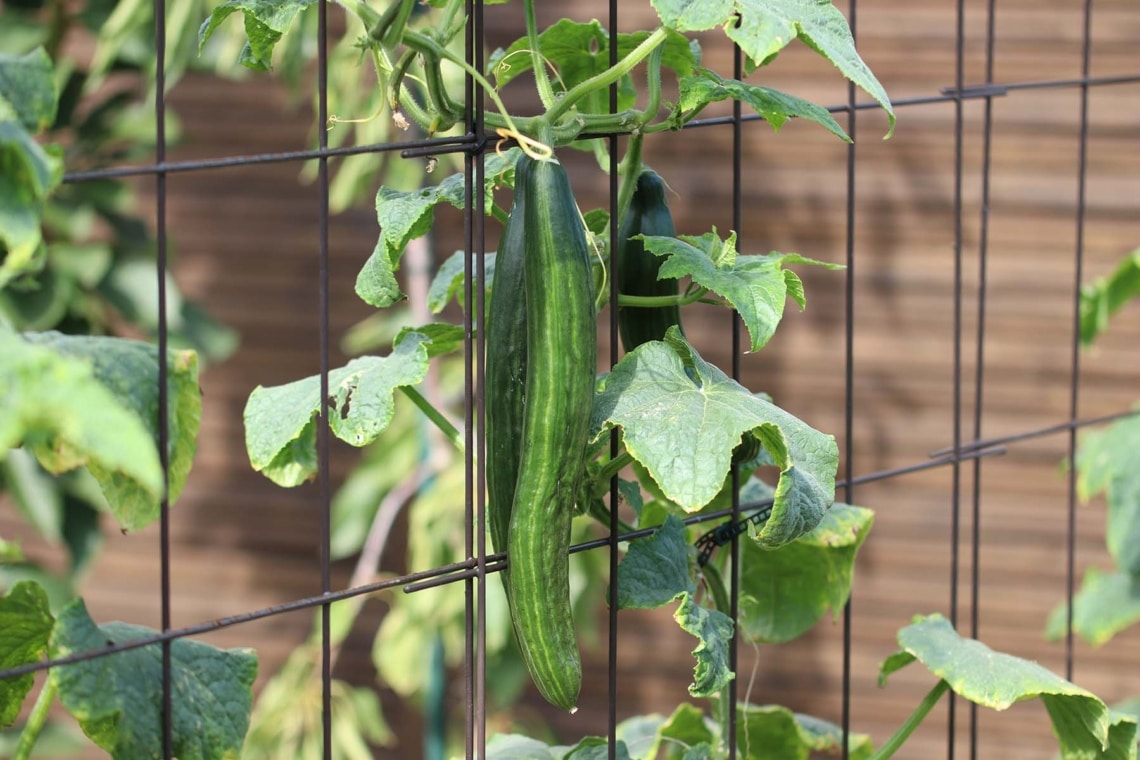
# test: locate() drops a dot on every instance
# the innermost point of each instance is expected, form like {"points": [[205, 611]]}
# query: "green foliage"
{"points": [[25, 625], [117, 699], [1101, 299]]}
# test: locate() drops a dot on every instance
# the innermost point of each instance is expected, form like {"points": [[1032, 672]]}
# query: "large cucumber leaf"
{"points": [[681, 417], [1083, 724], [117, 699], [25, 626]]}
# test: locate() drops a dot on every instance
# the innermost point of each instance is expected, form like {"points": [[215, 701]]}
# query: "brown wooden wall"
{"points": [[246, 243]]}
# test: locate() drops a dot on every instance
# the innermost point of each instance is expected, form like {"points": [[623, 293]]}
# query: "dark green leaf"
{"points": [[280, 430], [25, 625], [668, 400], [757, 286], [704, 87], [1109, 460], [1106, 604], [655, 570], [1104, 297], [786, 591], [118, 699], [265, 23], [27, 90]]}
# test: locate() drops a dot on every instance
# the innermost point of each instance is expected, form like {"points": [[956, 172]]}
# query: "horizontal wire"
{"points": [[1060, 427], [467, 143]]}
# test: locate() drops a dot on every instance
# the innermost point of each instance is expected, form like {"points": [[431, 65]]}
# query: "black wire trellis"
{"points": [[728, 524]]}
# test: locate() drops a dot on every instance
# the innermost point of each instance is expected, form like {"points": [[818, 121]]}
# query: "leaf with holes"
{"points": [[25, 626], [117, 699], [785, 592], [681, 417], [704, 87], [280, 422], [266, 21], [405, 216], [1084, 726], [763, 28], [757, 286]]}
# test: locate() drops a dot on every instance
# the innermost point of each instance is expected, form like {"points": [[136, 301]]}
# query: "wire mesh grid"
{"points": [[967, 445]]}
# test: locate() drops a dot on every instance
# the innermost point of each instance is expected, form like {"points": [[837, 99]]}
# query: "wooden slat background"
{"points": [[246, 244]]}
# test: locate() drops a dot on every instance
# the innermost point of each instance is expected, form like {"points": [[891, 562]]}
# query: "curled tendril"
{"points": [[535, 149]]}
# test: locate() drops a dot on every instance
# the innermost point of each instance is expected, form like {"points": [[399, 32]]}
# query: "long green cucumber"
{"points": [[638, 268], [560, 368], [506, 367]]}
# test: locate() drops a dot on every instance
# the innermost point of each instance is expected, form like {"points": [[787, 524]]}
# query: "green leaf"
{"points": [[1081, 721], [704, 87], [442, 337], [517, 747], [280, 429], [762, 28], [59, 407], [596, 748], [34, 493], [714, 629], [1106, 604], [667, 400], [27, 90], [757, 286], [265, 23], [129, 370], [771, 731], [118, 699], [29, 172], [25, 625], [655, 570], [785, 592], [1104, 297], [447, 285], [405, 216], [1109, 460], [686, 727]]}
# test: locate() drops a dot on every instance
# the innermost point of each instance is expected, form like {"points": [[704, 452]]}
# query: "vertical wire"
{"points": [[1074, 379], [956, 466], [475, 60], [615, 226], [849, 380], [322, 425], [163, 395], [979, 359], [469, 440], [734, 577]]}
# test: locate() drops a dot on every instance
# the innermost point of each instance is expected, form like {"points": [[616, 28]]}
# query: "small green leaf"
{"points": [[785, 592], [1109, 460], [655, 570], [280, 429], [714, 629], [771, 731], [442, 337], [704, 87], [1106, 604], [686, 727], [266, 21], [129, 370], [447, 285], [25, 625], [1104, 297], [405, 216], [117, 699], [27, 90], [755, 285], [641, 734], [31, 171], [1081, 721], [669, 400]]}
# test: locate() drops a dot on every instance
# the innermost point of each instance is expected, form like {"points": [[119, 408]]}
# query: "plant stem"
{"points": [[611, 468], [442, 423], [36, 721], [907, 728], [630, 169], [714, 581], [609, 76], [541, 77], [652, 302], [598, 510]]}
